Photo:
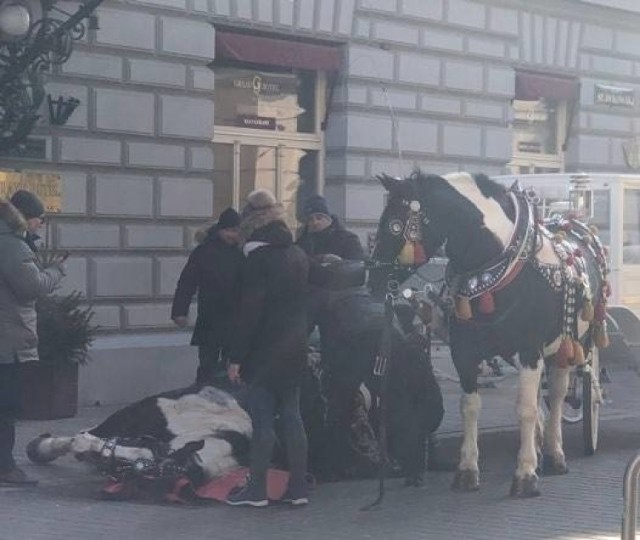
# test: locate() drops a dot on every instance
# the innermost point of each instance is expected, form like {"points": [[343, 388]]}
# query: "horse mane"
{"points": [[450, 202], [461, 216]]}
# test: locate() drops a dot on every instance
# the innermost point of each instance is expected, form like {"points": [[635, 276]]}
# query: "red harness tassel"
{"points": [[486, 304], [419, 254]]}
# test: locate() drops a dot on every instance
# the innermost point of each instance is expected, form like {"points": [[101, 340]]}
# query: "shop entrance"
{"points": [[268, 135]]}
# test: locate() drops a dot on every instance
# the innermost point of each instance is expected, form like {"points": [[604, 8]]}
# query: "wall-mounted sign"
{"points": [[46, 185], [614, 96], [531, 147], [256, 122]]}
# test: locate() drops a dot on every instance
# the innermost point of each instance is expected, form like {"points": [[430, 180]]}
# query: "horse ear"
{"points": [[391, 184]]}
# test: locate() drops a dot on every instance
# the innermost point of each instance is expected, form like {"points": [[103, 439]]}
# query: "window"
{"points": [[541, 121], [538, 131]]}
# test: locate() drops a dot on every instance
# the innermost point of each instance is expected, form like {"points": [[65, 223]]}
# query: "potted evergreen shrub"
{"points": [[65, 333]]}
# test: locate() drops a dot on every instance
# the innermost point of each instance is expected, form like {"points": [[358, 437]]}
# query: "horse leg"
{"points": [[525, 481], [467, 476], [553, 459], [46, 448]]}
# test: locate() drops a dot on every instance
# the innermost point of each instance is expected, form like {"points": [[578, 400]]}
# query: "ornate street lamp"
{"points": [[34, 35]]}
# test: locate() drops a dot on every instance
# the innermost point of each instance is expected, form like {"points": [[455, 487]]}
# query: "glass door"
{"points": [[289, 172]]}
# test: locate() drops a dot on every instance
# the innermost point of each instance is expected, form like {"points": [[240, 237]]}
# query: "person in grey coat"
{"points": [[22, 282]]}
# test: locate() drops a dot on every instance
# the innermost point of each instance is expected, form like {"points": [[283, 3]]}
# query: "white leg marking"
{"points": [[558, 381], [85, 443], [54, 447], [470, 405], [528, 417]]}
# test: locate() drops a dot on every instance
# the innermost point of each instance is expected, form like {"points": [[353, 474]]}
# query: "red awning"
{"points": [[276, 52], [532, 86]]}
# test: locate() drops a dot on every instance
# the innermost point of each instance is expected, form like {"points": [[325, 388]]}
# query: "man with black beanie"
{"points": [[213, 269]]}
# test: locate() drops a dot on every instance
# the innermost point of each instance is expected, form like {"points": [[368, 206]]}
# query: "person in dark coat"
{"points": [[324, 234], [325, 240], [213, 269], [22, 282], [339, 307], [269, 346]]}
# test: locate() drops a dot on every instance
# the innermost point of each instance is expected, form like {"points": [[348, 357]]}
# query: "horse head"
{"points": [[405, 233], [470, 215]]}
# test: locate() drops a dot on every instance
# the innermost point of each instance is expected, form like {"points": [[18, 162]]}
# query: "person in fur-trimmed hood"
{"points": [[269, 347], [213, 270], [22, 282]]}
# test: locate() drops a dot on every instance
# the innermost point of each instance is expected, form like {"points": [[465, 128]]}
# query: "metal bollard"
{"points": [[630, 493]]}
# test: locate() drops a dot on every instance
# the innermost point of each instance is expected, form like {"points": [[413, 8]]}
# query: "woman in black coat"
{"points": [[213, 269], [269, 348]]}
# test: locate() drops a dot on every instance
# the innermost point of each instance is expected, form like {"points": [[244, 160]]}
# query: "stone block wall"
{"points": [[431, 84], [425, 83]]}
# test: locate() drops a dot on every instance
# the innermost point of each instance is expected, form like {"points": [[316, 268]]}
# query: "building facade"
{"points": [[187, 105]]}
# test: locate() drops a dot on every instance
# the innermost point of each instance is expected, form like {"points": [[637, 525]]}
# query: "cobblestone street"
{"points": [[586, 504]]}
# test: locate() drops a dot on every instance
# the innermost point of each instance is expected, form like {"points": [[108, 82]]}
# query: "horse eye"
{"points": [[395, 227]]}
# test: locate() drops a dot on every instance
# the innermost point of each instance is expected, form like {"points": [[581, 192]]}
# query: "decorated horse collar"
{"points": [[498, 272]]}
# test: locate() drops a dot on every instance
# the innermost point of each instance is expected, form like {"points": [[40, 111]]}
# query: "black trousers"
{"points": [[9, 407], [212, 366]]}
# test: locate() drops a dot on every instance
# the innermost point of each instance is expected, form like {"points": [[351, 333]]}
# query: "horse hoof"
{"points": [[35, 454], [525, 488], [553, 467], [466, 480]]}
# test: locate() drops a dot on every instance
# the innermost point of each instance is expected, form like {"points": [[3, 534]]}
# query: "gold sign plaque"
{"points": [[47, 186]]}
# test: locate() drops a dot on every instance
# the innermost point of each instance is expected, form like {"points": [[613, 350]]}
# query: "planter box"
{"points": [[48, 392]]}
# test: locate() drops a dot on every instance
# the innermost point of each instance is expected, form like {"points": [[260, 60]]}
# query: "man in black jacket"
{"points": [[324, 234], [269, 347], [213, 269]]}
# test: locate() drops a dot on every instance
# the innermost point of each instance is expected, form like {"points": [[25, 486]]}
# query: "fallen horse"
{"points": [[171, 444]]}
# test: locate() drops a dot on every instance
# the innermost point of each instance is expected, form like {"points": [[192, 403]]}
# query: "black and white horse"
{"points": [[518, 289], [198, 433]]}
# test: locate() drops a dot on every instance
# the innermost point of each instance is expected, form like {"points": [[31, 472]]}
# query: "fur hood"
{"points": [[12, 217], [261, 210]]}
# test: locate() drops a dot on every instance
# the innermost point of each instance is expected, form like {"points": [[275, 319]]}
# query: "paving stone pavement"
{"points": [[586, 504]]}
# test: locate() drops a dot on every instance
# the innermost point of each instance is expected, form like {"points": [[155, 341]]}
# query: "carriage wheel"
{"points": [[592, 398]]}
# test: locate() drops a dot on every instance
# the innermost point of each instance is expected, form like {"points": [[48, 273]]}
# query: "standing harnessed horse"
{"points": [[518, 287]]}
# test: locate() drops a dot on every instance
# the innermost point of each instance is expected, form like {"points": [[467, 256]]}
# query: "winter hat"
{"points": [[260, 210], [257, 201], [228, 219], [315, 204], [28, 203]]}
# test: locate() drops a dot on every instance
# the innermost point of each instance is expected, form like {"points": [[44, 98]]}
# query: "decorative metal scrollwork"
{"points": [[26, 58]]}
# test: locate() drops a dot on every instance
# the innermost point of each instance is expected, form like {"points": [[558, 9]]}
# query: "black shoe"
{"points": [[246, 496], [295, 497], [16, 477]]}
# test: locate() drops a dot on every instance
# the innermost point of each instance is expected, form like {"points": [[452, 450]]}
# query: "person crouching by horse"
{"points": [[269, 347], [213, 269], [340, 307]]}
